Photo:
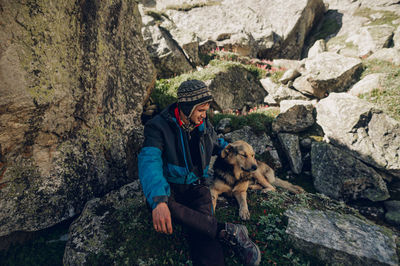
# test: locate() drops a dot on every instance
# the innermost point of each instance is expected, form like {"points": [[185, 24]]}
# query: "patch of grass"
{"points": [[276, 75], [165, 90], [267, 226], [385, 17], [387, 97], [341, 41], [259, 122], [133, 241]]}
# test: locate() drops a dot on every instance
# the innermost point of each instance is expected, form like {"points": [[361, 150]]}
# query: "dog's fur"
{"points": [[236, 170]]}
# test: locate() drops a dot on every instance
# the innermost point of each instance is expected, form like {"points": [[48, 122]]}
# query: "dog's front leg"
{"points": [[263, 181], [240, 193]]}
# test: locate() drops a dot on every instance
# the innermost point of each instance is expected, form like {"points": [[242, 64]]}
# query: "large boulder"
{"points": [[366, 132], [295, 116], [328, 72], [88, 234], [341, 239], [343, 177], [71, 94], [236, 87], [252, 28]]}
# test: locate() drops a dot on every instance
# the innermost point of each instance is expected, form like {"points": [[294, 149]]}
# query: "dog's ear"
{"points": [[226, 151]]}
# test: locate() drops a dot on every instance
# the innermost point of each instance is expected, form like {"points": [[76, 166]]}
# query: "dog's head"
{"points": [[240, 153]]}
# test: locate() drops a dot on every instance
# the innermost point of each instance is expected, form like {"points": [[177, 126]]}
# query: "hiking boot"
{"points": [[237, 236]]}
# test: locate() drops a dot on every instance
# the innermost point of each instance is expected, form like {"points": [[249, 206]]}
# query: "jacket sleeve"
{"points": [[155, 186]]}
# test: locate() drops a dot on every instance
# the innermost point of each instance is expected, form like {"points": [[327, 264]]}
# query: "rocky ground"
{"points": [[313, 85]]}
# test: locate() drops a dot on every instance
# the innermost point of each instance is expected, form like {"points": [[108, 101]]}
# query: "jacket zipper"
{"points": [[183, 150]]}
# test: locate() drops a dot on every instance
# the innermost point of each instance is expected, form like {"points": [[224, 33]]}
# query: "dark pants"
{"points": [[191, 206]]}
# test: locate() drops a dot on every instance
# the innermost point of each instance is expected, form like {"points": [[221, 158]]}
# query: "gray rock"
{"points": [[289, 75], [277, 93], [369, 39], [262, 144], [392, 214], [287, 104], [88, 234], [188, 41], [298, 117], [291, 147], [252, 28], [339, 175], [366, 132], [367, 84], [391, 55], [224, 125], [350, 18], [168, 57], [318, 47], [341, 239], [327, 72], [71, 91], [288, 63], [396, 38], [235, 87]]}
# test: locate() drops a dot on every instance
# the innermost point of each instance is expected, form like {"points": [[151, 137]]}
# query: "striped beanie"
{"points": [[192, 93]]}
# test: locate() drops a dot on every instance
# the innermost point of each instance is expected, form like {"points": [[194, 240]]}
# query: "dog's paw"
{"points": [[266, 190], [244, 214]]}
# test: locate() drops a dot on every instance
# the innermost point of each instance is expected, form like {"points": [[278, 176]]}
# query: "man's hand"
{"points": [[162, 218]]}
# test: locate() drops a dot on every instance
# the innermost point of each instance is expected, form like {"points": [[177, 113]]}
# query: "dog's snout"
{"points": [[253, 167]]}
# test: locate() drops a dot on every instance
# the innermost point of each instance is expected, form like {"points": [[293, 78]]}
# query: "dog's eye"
{"points": [[244, 155]]}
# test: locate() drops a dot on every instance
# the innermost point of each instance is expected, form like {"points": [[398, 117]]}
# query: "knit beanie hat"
{"points": [[192, 93]]}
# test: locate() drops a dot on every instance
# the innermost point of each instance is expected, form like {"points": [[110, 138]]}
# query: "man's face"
{"points": [[199, 113]]}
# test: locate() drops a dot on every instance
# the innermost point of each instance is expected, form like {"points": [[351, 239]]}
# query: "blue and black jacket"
{"points": [[165, 155]]}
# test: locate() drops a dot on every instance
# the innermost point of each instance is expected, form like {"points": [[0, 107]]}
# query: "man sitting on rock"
{"points": [[173, 164]]}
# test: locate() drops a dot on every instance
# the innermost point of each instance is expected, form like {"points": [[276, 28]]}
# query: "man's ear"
{"points": [[225, 152]]}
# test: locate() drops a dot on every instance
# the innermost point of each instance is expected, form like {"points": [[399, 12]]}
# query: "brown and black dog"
{"points": [[236, 170]]}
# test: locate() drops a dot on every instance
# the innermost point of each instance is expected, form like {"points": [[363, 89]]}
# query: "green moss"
{"points": [[259, 122], [385, 17], [276, 76], [100, 138], [46, 49], [21, 175]]}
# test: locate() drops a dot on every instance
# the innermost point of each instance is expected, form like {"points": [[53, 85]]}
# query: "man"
{"points": [[173, 164]]}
